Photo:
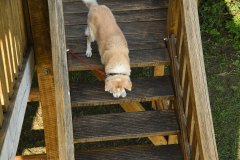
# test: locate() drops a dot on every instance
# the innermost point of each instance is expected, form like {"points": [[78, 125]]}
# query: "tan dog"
{"points": [[112, 47]]}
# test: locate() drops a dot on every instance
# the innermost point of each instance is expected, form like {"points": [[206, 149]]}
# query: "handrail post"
{"points": [[52, 77]]}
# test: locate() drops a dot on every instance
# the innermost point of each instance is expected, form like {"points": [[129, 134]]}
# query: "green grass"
{"points": [[220, 25]]}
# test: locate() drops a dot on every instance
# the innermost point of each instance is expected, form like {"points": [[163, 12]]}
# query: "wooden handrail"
{"points": [[61, 81], [194, 109]]}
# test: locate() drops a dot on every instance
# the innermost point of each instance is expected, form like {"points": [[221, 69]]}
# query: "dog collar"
{"points": [[114, 74]]}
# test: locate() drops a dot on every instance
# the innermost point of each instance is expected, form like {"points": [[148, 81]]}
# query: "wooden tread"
{"points": [[143, 58], [77, 6], [120, 16], [148, 152], [144, 89], [125, 125], [139, 35]]}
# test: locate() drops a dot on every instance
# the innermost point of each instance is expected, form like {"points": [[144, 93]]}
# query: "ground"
{"points": [[220, 29]]}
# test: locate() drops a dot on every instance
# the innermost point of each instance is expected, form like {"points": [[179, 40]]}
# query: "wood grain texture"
{"points": [[146, 152], [135, 42], [120, 16], [179, 101], [133, 28], [39, 17], [139, 58], [206, 136], [1, 115], [11, 129], [13, 45], [76, 6], [140, 35], [137, 107], [124, 126], [61, 81], [34, 95], [170, 152], [173, 17], [144, 89]]}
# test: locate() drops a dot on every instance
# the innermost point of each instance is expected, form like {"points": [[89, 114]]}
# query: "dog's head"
{"points": [[117, 84]]}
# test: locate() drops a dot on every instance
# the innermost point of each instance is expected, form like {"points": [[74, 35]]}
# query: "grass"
{"points": [[220, 28]]}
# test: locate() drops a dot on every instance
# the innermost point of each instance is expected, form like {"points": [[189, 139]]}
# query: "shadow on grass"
{"points": [[30, 138], [223, 73]]}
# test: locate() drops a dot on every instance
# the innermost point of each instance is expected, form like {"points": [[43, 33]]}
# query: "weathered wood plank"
{"points": [[178, 100], [140, 58], [76, 6], [4, 92], [124, 126], [133, 28], [39, 17], [135, 42], [1, 114], [140, 35], [144, 89], [120, 16], [61, 81], [204, 125], [137, 107], [11, 129], [149, 152], [173, 17], [34, 95], [169, 152]]}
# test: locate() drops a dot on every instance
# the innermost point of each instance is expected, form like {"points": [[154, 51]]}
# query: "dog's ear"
{"points": [[128, 85]]}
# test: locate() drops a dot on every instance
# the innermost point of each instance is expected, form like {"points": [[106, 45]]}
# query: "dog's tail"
{"points": [[90, 3]]}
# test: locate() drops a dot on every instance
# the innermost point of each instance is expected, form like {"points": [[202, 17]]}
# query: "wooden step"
{"points": [[147, 152], [120, 16], [144, 89], [125, 125], [77, 6], [139, 35], [140, 58]]}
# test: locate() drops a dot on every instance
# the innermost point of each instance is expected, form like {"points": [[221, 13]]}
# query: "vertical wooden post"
{"points": [[53, 119], [61, 81]]}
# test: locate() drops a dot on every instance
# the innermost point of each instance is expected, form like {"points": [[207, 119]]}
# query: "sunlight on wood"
{"points": [[34, 150]]}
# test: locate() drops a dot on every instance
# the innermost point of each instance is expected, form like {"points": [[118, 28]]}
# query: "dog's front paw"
{"points": [[119, 93], [89, 53]]}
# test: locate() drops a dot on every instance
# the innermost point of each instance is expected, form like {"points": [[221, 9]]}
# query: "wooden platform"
{"points": [[144, 89]]}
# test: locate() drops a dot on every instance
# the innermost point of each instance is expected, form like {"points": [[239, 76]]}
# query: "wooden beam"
{"points": [[173, 17], [136, 107], [34, 95], [1, 115], [206, 136], [39, 18], [32, 157], [61, 81], [11, 129]]}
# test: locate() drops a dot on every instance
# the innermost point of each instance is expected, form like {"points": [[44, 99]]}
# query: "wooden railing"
{"points": [[13, 44], [197, 137]]}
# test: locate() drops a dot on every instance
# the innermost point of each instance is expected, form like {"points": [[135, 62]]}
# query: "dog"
{"points": [[112, 46]]}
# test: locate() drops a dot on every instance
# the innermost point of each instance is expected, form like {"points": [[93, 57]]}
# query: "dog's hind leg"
{"points": [[90, 38]]}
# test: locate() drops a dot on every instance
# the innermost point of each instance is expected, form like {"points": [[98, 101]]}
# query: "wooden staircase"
{"points": [[178, 111], [144, 25]]}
